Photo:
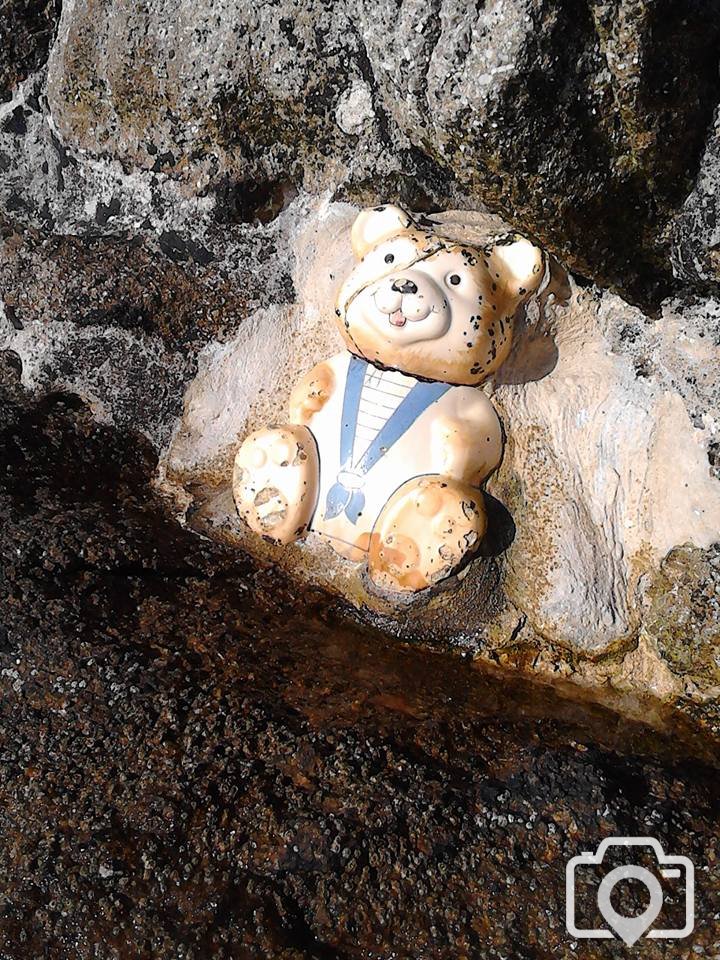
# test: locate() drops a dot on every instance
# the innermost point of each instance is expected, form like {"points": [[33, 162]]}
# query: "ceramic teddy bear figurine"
{"points": [[388, 442]]}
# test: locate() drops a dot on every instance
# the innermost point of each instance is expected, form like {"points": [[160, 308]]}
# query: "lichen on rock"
{"points": [[683, 614]]}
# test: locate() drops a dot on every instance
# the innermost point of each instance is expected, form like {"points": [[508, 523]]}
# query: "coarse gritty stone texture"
{"points": [[199, 762], [695, 230], [122, 317], [26, 31], [558, 114], [685, 612]]}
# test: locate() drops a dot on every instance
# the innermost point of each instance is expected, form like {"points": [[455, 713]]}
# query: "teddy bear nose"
{"points": [[404, 286]]}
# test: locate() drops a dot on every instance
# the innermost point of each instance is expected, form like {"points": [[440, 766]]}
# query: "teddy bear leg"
{"points": [[275, 481], [424, 532]]}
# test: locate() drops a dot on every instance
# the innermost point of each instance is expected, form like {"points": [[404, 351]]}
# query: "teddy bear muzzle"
{"points": [[411, 298]]}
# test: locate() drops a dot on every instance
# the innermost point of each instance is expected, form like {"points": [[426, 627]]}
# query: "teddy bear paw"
{"points": [[275, 482], [311, 393], [424, 532]]}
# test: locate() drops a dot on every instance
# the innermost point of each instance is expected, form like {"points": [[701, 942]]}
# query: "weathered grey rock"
{"points": [[696, 230], [26, 31], [120, 319], [44, 186], [246, 90], [105, 288], [584, 123]]}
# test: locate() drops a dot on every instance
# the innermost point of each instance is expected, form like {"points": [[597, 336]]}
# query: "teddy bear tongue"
{"points": [[397, 319]]}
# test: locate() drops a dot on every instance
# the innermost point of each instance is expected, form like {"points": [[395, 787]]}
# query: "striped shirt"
{"points": [[382, 392]]}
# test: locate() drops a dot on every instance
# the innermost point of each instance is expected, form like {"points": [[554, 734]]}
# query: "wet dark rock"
{"points": [[165, 285], [199, 761], [122, 317]]}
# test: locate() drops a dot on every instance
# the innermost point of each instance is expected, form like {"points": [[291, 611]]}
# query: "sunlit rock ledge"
{"points": [[603, 513]]}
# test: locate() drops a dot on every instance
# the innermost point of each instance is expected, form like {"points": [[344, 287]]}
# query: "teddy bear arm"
{"points": [[311, 393], [467, 448]]}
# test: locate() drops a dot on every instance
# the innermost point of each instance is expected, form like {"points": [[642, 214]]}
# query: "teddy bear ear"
{"points": [[376, 224], [520, 260]]}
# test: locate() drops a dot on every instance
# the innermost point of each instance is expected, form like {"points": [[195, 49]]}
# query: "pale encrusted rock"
{"points": [[607, 467], [611, 417]]}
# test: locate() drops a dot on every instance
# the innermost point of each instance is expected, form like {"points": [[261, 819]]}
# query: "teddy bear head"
{"points": [[429, 306]]}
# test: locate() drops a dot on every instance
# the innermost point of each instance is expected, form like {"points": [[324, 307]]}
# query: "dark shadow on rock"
{"points": [[500, 531], [257, 202], [534, 352], [533, 357]]}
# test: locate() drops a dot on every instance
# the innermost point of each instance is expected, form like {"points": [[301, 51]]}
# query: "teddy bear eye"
{"points": [[389, 258], [454, 279]]}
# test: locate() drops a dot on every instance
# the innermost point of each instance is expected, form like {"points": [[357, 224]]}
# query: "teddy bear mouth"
{"points": [[397, 318]]}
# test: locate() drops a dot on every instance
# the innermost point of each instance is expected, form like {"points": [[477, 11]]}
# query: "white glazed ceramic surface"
{"points": [[457, 435], [388, 443]]}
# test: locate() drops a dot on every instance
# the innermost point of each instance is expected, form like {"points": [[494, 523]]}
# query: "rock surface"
{"points": [[27, 28], [695, 231], [258, 767], [556, 114], [198, 761]]}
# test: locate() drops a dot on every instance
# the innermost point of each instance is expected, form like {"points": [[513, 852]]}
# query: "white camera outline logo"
{"points": [[641, 873]]}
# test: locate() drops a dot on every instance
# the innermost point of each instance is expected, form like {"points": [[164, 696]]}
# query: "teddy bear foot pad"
{"points": [[425, 532], [275, 481]]}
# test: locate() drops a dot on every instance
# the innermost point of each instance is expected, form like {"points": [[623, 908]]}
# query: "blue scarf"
{"points": [[346, 493]]}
